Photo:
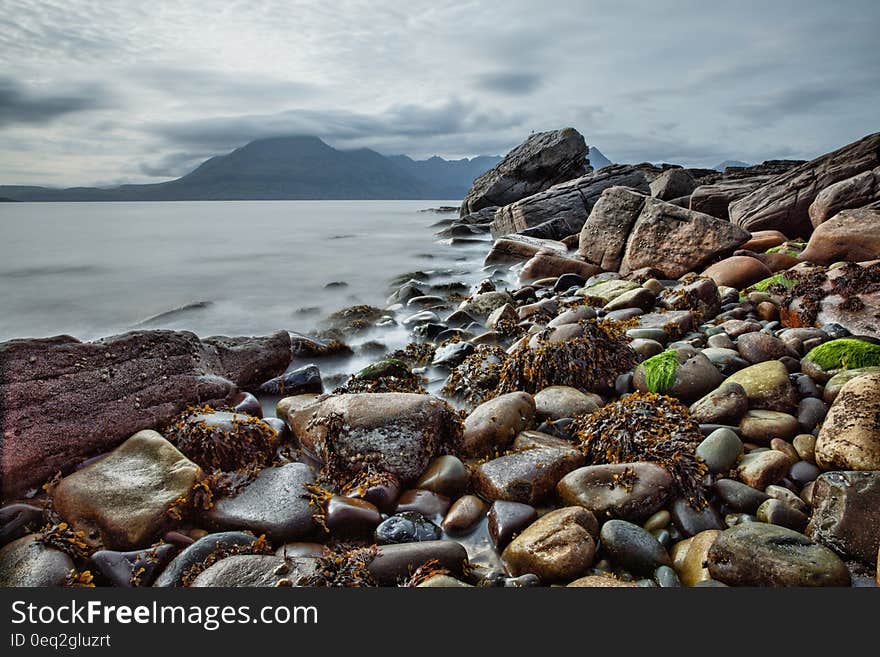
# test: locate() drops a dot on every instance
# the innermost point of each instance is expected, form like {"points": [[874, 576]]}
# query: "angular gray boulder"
{"points": [[63, 400], [541, 161], [783, 203], [603, 236], [563, 209]]}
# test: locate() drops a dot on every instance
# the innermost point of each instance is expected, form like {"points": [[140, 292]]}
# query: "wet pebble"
{"points": [[632, 548], [300, 381], [720, 450], [406, 527], [426, 502], [507, 519], [464, 513]]}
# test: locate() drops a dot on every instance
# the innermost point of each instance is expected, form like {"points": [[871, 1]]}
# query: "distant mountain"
{"points": [[3, 199], [454, 174], [730, 163], [597, 159], [289, 168]]}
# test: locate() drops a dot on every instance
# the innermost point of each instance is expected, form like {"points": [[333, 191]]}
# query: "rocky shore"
{"points": [[667, 377]]}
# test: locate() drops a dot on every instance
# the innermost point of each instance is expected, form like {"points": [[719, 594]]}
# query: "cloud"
{"points": [[400, 128], [510, 83], [20, 104]]}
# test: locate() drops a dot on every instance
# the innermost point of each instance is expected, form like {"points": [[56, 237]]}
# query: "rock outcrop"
{"points": [[783, 203], [541, 161], [855, 192], [563, 209], [63, 400]]}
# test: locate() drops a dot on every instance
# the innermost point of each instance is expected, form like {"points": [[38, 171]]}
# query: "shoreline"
{"points": [[660, 395]]}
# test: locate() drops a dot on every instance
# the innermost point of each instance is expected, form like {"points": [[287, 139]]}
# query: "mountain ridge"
{"points": [[295, 167]]}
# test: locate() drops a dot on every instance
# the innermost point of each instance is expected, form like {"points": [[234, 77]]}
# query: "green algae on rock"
{"points": [[845, 354], [660, 371]]}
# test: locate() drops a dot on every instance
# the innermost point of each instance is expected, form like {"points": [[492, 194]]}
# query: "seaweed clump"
{"points": [[61, 537], [259, 546], [476, 379], [846, 354], [647, 427], [660, 371], [591, 361], [225, 444], [343, 567]]}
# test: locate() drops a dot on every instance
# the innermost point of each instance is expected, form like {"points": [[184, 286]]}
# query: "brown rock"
{"points": [[494, 424], [677, 241], [764, 239], [627, 491], [760, 469], [603, 237], [546, 264], [852, 235], [64, 400], [693, 567], [528, 477], [602, 582], [738, 272], [557, 547]]}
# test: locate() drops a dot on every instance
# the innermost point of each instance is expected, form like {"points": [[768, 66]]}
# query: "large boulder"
{"points": [[783, 203], [126, 499], [850, 436], [541, 161], [64, 400], [603, 236], [563, 209], [676, 241], [852, 235], [398, 433], [856, 192], [672, 183]]}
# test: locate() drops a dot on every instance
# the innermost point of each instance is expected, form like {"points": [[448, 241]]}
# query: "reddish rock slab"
{"points": [[62, 400]]}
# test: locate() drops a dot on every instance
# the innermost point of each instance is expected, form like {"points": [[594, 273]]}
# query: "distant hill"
{"points": [[453, 174], [597, 159], [3, 199], [298, 167], [730, 163]]}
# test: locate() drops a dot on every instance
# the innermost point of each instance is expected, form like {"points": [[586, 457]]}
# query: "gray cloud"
{"points": [[20, 104], [391, 130], [511, 83], [96, 91]]}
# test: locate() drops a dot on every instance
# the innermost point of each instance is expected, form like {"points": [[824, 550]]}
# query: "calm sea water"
{"points": [[97, 269]]}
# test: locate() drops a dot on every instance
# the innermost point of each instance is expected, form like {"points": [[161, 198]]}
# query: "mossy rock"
{"points": [[384, 368], [835, 356], [603, 292]]}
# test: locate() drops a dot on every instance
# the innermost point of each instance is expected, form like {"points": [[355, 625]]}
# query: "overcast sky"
{"points": [[133, 91]]}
